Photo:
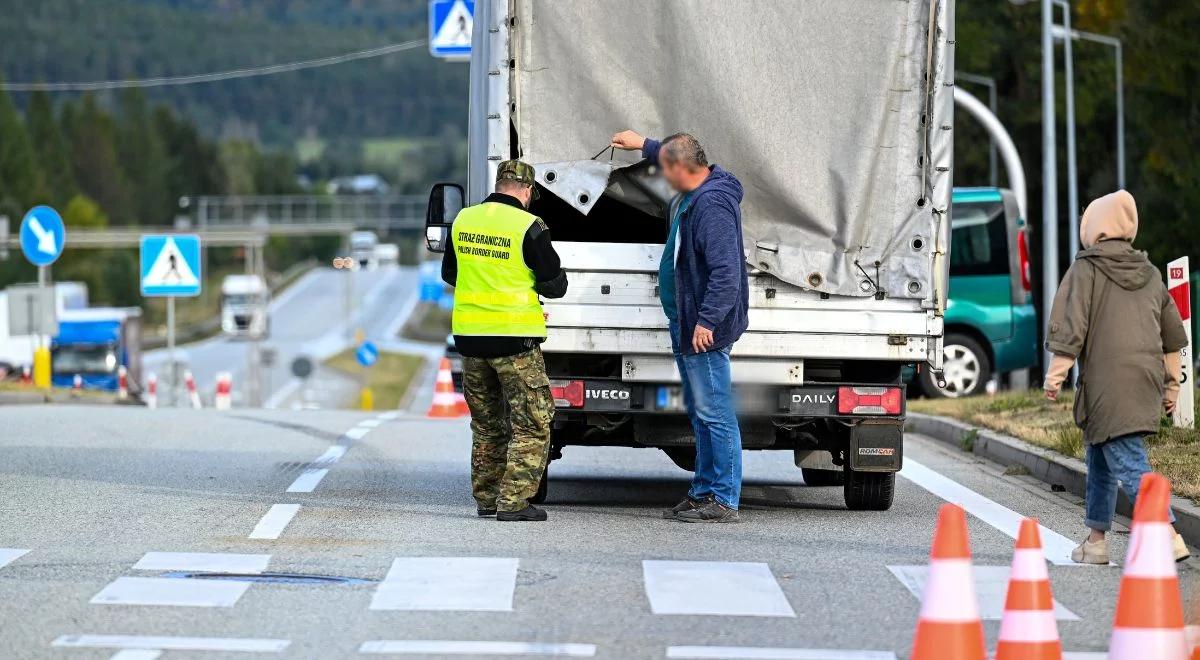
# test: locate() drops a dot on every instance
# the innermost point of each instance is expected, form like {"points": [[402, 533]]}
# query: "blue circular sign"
{"points": [[367, 355], [43, 235]]}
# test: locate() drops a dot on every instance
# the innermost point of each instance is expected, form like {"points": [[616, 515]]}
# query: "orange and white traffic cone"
{"points": [[122, 383], [1149, 620], [461, 402], [189, 381], [151, 391], [949, 625], [1028, 630], [223, 398], [445, 403]]}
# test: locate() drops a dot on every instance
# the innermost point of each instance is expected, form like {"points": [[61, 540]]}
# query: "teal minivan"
{"points": [[991, 324]]}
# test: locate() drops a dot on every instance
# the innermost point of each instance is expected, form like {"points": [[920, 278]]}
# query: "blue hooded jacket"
{"points": [[711, 287]]}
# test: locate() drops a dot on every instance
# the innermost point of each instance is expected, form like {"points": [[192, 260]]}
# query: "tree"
{"points": [[83, 212], [20, 179], [94, 160], [47, 138], [144, 160]]}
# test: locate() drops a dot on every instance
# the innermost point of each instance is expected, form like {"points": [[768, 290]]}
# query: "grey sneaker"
{"points": [[1091, 553], [688, 504], [711, 512]]}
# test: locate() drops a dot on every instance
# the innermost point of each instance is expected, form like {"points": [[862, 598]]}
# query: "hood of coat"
{"points": [[1128, 268], [722, 183], [1112, 217]]}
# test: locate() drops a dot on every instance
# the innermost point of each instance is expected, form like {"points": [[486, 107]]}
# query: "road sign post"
{"points": [[1180, 288], [171, 267], [43, 237], [450, 26], [367, 355]]}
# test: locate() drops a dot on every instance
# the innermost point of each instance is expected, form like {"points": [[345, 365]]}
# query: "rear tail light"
{"points": [[1023, 254], [869, 400], [567, 393]]}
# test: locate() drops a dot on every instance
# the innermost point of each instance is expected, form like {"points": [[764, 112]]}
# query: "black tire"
{"points": [[543, 488], [869, 491], [684, 457], [818, 477], [967, 369]]}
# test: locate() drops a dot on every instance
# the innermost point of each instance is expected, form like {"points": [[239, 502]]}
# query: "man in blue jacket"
{"points": [[705, 295]]}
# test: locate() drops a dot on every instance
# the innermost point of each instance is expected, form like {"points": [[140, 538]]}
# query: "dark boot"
{"points": [[485, 513], [712, 512], [529, 513], [688, 504]]}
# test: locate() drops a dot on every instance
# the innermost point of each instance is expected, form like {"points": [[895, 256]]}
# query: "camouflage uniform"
{"points": [[511, 408]]}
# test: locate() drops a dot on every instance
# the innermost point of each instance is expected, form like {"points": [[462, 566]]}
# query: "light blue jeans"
{"points": [[1122, 459], [708, 397]]}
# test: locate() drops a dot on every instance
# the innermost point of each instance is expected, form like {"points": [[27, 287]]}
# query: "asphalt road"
{"points": [[93, 494], [308, 318]]}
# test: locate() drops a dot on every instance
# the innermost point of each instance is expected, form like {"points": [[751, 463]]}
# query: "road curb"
{"points": [[1059, 471]]}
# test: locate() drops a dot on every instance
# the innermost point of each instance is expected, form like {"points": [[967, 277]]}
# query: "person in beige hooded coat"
{"points": [[1113, 315]]}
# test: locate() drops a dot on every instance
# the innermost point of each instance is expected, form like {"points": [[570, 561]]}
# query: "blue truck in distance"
{"points": [[94, 343]]}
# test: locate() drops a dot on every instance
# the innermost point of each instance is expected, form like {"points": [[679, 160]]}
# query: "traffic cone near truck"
{"points": [[949, 625], [1028, 630], [445, 402]]}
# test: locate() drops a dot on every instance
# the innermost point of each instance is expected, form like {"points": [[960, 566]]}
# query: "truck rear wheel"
{"points": [[869, 491], [818, 477]]}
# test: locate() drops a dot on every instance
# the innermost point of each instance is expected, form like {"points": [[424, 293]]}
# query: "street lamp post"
{"points": [[1049, 173], [990, 83], [1119, 55], [1072, 162]]}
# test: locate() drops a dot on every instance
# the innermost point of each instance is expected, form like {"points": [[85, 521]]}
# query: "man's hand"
{"points": [[1169, 405], [1052, 394], [628, 141], [702, 339]]}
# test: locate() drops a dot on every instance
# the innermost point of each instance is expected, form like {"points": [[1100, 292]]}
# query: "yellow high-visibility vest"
{"points": [[494, 295]]}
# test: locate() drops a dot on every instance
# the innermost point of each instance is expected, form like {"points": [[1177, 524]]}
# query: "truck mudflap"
{"points": [[877, 445]]}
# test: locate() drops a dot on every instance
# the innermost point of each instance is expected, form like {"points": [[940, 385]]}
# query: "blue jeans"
{"points": [[1121, 459], [708, 397]]}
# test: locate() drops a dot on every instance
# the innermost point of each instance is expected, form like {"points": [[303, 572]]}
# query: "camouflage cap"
{"points": [[515, 170]]}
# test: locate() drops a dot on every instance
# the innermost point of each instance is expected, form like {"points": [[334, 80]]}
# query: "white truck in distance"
{"points": [[244, 302], [837, 119]]}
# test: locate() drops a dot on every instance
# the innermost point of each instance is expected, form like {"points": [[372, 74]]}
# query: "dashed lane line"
{"points": [[9, 555], [991, 589], [721, 588], [202, 562], [274, 521], [308, 480], [152, 643], [438, 647], [1057, 547], [478, 584], [171, 592], [137, 654]]}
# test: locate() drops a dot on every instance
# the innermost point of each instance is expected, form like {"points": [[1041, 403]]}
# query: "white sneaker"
{"points": [[1091, 553], [1181, 549]]}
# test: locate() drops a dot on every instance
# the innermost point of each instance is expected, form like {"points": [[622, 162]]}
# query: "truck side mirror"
{"points": [[445, 201]]}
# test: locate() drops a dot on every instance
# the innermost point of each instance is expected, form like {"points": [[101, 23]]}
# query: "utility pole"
{"points": [[1072, 165], [1049, 174]]}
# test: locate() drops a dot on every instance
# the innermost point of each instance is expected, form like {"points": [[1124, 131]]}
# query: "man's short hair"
{"points": [[684, 149], [511, 185]]}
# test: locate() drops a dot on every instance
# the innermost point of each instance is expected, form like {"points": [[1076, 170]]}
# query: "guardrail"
{"points": [[383, 213]]}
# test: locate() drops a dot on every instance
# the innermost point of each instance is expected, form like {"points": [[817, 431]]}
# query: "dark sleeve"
{"points": [[1173, 334], [716, 241], [1071, 311], [550, 278], [449, 262], [650, 150]]}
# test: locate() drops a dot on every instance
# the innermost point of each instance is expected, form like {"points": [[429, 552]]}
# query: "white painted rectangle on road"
{"points": [[174, 592], [274, 521], [991, 589], [203, 562], [723, 588], [437, 647], [137, 654], [370, 423], [357, 433], [768, 653], [484, 584], [308, 480], [389, 416], [1057, 547], [8, 555], [227, 644], [332, 455]]}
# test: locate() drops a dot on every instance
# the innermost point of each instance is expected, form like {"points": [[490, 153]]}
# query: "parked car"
{"points": [[991, 324]]}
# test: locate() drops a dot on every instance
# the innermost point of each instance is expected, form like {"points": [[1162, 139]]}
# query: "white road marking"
{"points": [[724, 588], [369, 423], [389, 416], [308, 480], [137, 654], [229, 644], [991, 589], [765, 653], [481, 584], [1057, 547], [331, 455], [357, 433], [176, 592], [8, 555], [274, 521], [433, 647], [202, 562]]}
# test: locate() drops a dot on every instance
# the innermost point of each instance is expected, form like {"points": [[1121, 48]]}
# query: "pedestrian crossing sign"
{"points": [[171, 265], [450, 24]]}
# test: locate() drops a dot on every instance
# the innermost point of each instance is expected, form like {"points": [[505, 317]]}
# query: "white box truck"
{"points": [[837, 119]]}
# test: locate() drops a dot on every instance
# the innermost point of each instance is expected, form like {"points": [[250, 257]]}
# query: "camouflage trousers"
{"points": [[511, 409]]}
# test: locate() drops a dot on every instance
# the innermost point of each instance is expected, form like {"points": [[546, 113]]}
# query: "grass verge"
{"points": [[1028, 415], [428, 323], [389, 379]]}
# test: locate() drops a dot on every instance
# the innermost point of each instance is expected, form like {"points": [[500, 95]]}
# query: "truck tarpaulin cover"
{"points": [[815, 105]]}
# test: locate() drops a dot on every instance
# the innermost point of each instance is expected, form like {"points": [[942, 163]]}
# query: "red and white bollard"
{"points": [[223, 400], [152, 391], [189, 381], [26, 376], [76, 385], [122, 383]]}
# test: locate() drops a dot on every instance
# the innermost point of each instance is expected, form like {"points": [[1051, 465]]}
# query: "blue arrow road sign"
{"points": [[450, 24], [367, 355], [42, 235], [171, 265]]}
